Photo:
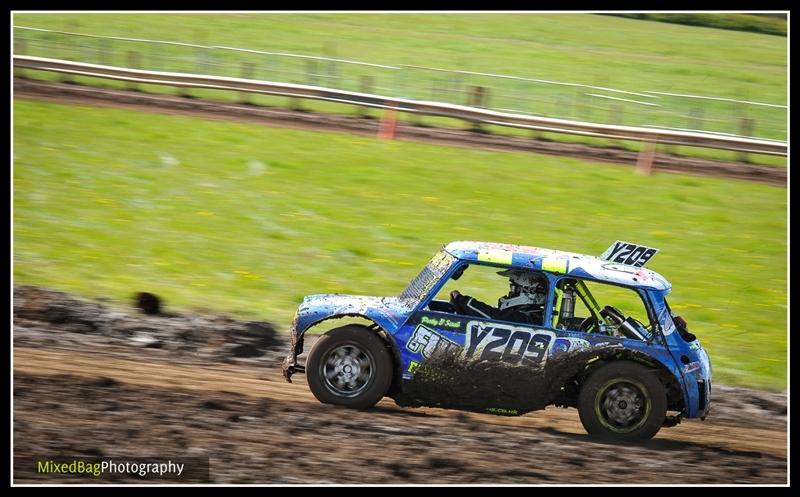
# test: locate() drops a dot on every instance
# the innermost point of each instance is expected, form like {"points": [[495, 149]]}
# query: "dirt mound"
{"points": [[260, 439], [57, 317]]}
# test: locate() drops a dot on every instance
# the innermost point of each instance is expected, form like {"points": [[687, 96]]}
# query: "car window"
{"points": [[428, 277], [596, 307], [479, 281], [484, 293], [627, 300]]}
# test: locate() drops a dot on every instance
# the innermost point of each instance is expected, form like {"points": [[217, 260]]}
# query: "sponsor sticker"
{"points": [[441, 322], [425, 341], [692, 366], [502, 411]]}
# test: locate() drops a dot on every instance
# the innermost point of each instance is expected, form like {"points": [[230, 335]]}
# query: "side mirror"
{"points": [[458, 273]]}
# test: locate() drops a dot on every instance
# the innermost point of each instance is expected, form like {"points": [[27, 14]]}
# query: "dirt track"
{"points": [[95, 96], [87, 383]]}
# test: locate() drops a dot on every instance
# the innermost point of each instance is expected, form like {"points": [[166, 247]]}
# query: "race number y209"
{"points": [[629, 253]]}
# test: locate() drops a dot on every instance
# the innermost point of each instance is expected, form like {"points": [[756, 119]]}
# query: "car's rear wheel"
{"points": [[349, 366], [624, 401]]}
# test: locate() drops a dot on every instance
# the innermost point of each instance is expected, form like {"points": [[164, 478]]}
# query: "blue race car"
{"points": [[594, 333]]}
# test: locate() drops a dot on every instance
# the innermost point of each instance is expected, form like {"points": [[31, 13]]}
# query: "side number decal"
{"points": [[486, 341]]}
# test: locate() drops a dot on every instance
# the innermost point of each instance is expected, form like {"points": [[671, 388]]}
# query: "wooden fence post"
{"points": [[746, 126], [201, 62], [615, 118], [366, 82], [477, 96], [647, 154], [312, 72], [696, 118], [332, 67], [66, 49], [134, 62], [105, 52], [20, 48], [388, 126], [248, 72], [21, 45]]}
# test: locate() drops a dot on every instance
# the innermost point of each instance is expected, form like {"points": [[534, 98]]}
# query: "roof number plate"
{"points": [[629, 253]]}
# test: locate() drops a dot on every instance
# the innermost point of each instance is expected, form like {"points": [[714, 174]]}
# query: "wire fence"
{"points": [[538, 97]]}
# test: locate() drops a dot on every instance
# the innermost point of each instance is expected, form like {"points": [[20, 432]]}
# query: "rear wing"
{"points": [[628, 253]]}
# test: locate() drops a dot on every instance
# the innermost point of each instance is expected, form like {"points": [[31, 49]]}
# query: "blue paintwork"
{"points": [[386, 312], [695, 354], [400, 318]]}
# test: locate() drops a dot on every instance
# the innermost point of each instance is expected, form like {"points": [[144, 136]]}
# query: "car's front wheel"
{"points": [[349, 366], [624, 401]]}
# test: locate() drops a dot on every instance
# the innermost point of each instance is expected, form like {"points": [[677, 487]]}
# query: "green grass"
{"points": [[247, 219], [774, 24], [616, 52]]}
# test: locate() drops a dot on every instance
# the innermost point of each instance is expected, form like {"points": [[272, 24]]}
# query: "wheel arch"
{"points": [[370, 326], [672, 385]]}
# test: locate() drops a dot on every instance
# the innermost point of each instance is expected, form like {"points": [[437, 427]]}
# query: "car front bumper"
{"points": [[289, 364]]}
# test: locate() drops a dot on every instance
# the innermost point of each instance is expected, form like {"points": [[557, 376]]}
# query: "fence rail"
{"points": [[473, 114], [597, 102]]}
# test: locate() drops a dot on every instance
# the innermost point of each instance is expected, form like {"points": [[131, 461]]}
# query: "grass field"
{"points": [[615, 52], [775, 24], [247, 219]]}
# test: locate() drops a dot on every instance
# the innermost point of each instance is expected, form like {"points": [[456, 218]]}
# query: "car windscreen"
{"points": [[427, 278]]}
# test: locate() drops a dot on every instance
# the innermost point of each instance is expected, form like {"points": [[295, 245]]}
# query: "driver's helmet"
{"points": [[527, 288]]}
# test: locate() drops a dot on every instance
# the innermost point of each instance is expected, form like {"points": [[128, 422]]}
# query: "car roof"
{"points": [[557, 262]]}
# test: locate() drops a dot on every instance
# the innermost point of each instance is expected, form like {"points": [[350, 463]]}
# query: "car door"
{"points": [[436, 327]]}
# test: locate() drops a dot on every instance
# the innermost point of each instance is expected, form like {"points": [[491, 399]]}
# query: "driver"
{"points": [[523, 304]]}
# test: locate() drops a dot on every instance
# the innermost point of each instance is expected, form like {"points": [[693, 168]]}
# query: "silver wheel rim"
{"points": [[623, 405], [346, 370]]}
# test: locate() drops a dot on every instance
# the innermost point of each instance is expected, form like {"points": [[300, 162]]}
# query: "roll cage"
{"points": [[563, 289]]}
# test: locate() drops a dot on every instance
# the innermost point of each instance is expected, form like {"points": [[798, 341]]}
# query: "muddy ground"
{"points": [[96, 379], [276, 116]]}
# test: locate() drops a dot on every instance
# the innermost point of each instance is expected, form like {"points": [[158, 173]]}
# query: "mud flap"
{"points": [[670, 421], [290, 368], [289, 365]]}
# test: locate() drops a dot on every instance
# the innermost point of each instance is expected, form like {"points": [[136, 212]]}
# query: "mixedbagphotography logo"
{"points": [[81, 469]]}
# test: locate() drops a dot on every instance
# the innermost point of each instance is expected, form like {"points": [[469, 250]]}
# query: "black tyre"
{"points": [[623, 401], [349, 366]]}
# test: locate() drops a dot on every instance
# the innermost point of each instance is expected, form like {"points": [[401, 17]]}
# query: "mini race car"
{"points": [[603, 340]]}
